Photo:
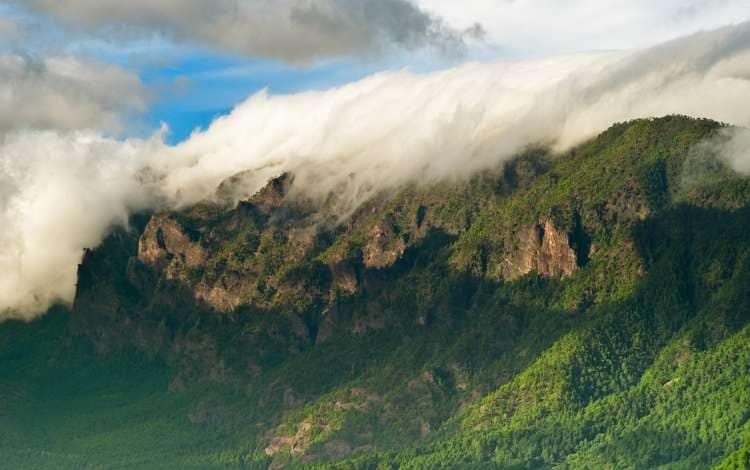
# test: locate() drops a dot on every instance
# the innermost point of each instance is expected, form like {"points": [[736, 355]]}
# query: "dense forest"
{"points": [[580, 311]]}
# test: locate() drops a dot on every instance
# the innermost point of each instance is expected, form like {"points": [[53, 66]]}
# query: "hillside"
{"points": [[588, 310]]}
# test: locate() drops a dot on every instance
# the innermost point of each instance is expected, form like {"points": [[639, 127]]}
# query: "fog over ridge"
{"points": [[61, 192]]}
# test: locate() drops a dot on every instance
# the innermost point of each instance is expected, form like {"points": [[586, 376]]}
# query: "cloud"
{"points": [[545, 27], [289, 30], [396, 128], [61, 192], [692, 9], [734, 147], [66, 93]]}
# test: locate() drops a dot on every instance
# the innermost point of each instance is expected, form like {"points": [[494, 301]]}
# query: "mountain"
{"points": [[587, 310]]}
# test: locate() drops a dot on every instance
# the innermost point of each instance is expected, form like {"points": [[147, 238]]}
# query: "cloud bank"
{"points": [[66, 93], [547, 27], [62, 192], [289, 30]]}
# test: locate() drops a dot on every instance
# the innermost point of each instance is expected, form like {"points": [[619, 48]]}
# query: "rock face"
{"points": [[273, 194], [544, 249], [165, 242], [235, 188], [166, 246], [344, 276], [384, 247]]}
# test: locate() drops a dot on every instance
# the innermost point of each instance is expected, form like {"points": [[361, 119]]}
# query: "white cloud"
{"points": [[291, 30], [58, 194], [399, 127], [734, 147], [66, 93], [544, 27], [61, 192]]}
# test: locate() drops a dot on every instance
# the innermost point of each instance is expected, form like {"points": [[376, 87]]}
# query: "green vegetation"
{"points": [[429, 356]]}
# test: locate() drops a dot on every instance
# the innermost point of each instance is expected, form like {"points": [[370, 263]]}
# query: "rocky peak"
{"points": [[273, 194]]}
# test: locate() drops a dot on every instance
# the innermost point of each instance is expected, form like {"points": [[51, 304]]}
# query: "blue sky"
{"points": [[203, 85]]}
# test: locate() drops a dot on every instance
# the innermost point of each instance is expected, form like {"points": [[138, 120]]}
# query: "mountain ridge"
{"points": [[459, 324]]}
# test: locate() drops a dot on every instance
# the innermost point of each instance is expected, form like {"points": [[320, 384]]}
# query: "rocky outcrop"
{"points": [[218, 297], [344, 276], [296, 444], [384, 247], [273, 194], [166, 246], [166, 243], [544, 249]]}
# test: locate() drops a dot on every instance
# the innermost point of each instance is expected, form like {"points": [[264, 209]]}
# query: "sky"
{"points": [[143, 63], [110, 108]]}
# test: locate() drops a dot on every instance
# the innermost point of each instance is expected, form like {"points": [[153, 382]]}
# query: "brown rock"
{"points": [[218, 297], [165, 240], [277, 444], [544, 249], [344, 277], [272, 195], [166, 246], [384, 247]]}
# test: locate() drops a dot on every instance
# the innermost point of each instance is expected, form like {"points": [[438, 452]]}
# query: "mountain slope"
{"points": [[582, 311]]}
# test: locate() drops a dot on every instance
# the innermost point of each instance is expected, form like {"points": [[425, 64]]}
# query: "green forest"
{"points": [[589, 310]]}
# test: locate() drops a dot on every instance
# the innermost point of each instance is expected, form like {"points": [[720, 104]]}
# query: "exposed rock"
{"points": [[296, 444], [277, 444], [165, 242], [544, 249], [218, 297], [344, 277], [302, 240], [273, 194], [166, 246], [384, 247]]}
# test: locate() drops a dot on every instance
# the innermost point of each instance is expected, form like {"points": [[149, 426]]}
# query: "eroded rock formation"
{"points": [[544, 249]]}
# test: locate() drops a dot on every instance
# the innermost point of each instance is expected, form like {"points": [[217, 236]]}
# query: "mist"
{"points": [[61, 192], [734, 148]]}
